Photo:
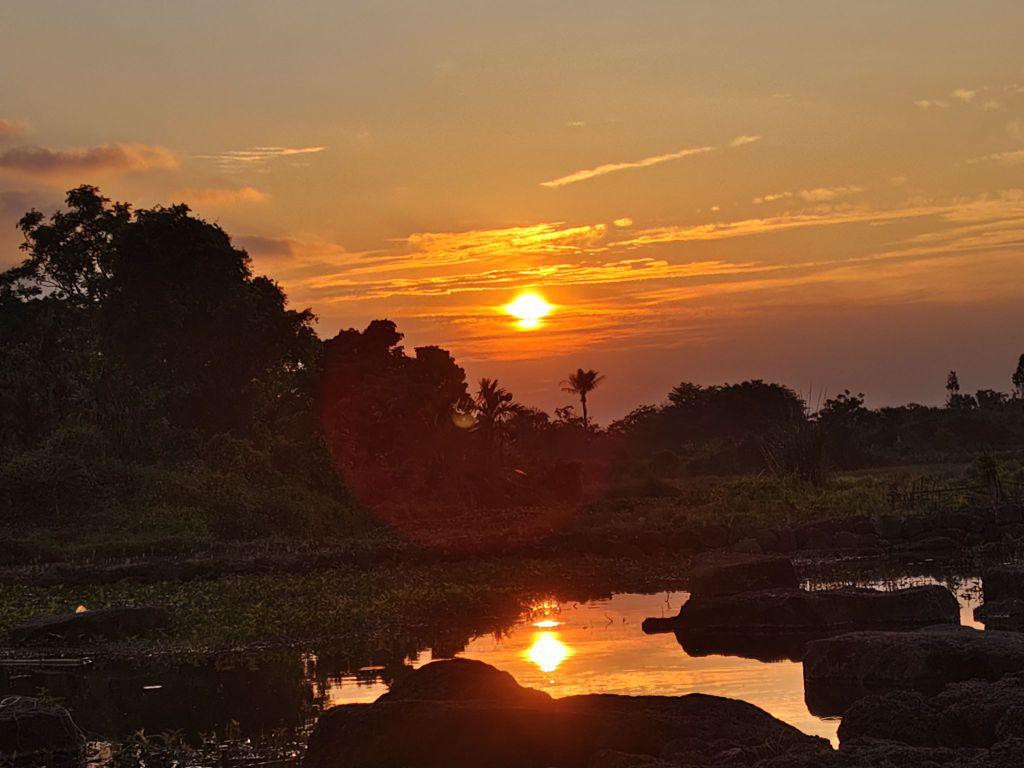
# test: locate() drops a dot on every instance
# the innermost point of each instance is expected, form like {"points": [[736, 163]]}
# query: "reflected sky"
{"points": [[599, 647]]}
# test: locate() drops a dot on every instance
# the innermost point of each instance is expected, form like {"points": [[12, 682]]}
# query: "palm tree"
{"points": [[494, 407], [582, 383]]}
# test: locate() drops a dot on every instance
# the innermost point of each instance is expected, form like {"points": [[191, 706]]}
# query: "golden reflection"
{"points": [[530, 308], [547, 624], [547, 651]]}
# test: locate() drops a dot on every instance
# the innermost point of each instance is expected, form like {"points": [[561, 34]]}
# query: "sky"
{"points": [[825, 194]]}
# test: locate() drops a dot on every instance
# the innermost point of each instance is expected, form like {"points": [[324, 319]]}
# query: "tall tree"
{"points": [[952, 388], [582, 383]]}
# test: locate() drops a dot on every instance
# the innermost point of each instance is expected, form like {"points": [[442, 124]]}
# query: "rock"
{"points": [[888, 526], [105, 623], [775, 624], [839, 670], [975, 713], [484, 719], [845, 540], [722, 573], [1003, 582], [1001, 614], [30, 726], [816, 536], [461, 679]]}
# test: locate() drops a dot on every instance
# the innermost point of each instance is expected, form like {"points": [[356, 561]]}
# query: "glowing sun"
{"points": [[530, 308]]}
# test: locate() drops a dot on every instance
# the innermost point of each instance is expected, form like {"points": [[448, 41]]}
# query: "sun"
{"points": [[530, 308]]}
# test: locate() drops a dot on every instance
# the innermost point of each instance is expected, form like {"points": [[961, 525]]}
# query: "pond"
{"points": [[265, 703]]}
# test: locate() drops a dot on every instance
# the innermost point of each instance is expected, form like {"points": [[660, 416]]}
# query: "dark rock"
{"points": [[845, 540], [869, 541], [775, 624], [913, 527], [975, 713], [816, 536], [786, 540], [723, 573], [768, 540], [105, 623], [888, 526], [928, 548], [658, 625], [511, 729], [839, 670], [459, 680], [1003, 582], [30, 726], [1001, 614], [958, 519]]}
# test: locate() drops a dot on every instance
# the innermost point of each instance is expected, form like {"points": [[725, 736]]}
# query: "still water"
{"points": [[563, 648], [598, 647]]}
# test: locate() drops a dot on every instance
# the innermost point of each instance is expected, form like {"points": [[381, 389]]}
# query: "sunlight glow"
{"points": [[547, 651], [530, 308], [547, 624]]}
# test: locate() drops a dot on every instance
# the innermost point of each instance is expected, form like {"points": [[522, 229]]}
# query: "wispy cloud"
{"points": [[931, 104], [43, 162], [220, 196], [646, 162], [1013, 157], [966, 95], [741, 141], [827, 194], [603, 170], [257, 158]]}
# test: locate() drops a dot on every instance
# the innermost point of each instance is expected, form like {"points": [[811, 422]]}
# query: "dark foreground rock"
{"points": [[465, 713], [976, 713], [1001, 614], [1003, 583], [730, 573], [106, 623], [778, 623], [38, 733], [840, 670]]}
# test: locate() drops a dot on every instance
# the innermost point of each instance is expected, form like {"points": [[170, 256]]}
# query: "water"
{"points": [[564, 648]]}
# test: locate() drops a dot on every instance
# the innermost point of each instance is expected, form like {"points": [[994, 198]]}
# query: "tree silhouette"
{"points": [[952, 388], [495, 407], [582, 383], [1018, 379]]}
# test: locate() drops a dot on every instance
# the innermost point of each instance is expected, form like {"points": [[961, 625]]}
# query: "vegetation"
{"points": [[158, 397]]}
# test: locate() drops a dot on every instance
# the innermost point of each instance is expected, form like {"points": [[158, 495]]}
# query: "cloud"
{"points": [[219, 196], [774, 197], [964, 94], [741, 141], [256, 158], [624, 222], [11, 128], [931, 104], [43, 162], [825, 194], [1013, 157], [603, 170]]}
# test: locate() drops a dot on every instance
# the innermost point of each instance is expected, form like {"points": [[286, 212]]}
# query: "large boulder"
{"points": [[470, 714], [730, 573], [976, 713], [776, 624], [105, 623], [31, 729], [839, 670]]}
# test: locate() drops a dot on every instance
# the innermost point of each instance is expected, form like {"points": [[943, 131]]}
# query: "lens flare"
{"points": [[530, 308]]}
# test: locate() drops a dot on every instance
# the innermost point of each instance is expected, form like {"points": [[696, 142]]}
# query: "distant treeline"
{"points": [[141, 360]]}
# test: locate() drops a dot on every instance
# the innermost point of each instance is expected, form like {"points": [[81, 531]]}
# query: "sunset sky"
{"points": [[825, 194]]}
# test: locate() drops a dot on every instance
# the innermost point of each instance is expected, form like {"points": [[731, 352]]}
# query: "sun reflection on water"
{"points": [[547, 651]]}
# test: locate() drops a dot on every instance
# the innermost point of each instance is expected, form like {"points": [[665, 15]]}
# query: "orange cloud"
{"points": [[603, 170], [218, 196], [43, 162]]}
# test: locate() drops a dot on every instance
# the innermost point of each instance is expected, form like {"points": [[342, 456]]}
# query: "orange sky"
{"points": [[827, 195]]}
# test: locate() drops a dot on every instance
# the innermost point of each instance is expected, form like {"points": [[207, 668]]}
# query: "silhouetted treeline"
{"points": [[144, 367]]}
